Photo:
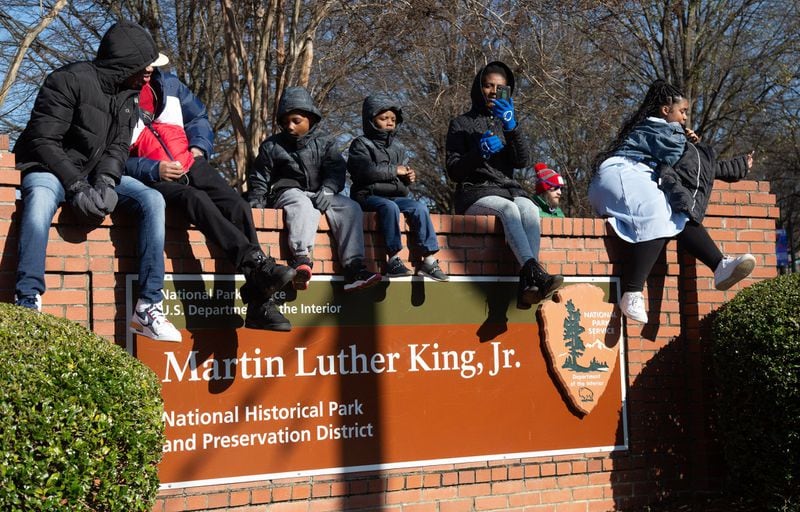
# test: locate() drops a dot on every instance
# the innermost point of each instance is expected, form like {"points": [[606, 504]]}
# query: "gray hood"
{"points": [[298, 98], [374, 104]]}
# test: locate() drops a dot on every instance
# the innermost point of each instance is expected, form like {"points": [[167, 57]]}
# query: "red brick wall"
{"points": [[671, 436]]}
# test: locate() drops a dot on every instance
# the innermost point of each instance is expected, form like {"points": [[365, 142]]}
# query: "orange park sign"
{"points": [[580, 335], [408, 373]]}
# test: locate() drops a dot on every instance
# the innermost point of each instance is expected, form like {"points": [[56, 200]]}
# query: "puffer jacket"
{"points": [[374, 157], [82, 120], [181, 121], [475, 177], [284, 162], [689, 182]]}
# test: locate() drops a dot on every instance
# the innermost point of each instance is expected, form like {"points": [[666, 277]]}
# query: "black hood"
{"points": [[298, 98], [374, 105], [478, 101], [126, 48]]}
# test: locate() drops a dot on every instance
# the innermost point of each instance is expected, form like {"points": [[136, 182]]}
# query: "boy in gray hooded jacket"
{"points": [[301, 171]]}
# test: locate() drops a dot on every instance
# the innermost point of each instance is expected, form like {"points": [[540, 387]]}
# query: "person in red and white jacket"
{"points": [[169, 150]]}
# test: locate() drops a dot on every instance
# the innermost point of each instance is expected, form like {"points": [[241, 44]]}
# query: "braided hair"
{"points": [[661, 93]]}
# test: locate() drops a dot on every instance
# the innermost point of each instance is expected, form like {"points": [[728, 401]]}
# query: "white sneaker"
{"points": [[632, 306], [149, 320], [30, 301], [732, 270]]}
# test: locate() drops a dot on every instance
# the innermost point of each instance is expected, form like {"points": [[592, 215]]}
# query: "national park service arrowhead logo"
{"points": [[580, 336]]}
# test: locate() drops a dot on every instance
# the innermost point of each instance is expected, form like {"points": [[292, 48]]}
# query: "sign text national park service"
{"points": [[408, 373]]}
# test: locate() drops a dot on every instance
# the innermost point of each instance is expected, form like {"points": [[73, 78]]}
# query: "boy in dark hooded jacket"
{"points": [[301, 171], [378, 165], [484, 146]]}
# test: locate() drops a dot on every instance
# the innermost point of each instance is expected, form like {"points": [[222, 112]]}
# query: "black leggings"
{"points": [[643, 255]]}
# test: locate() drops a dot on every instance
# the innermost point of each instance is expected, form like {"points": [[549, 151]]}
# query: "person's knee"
{"points": [[388, 210], [420, 210], [195, 199]]}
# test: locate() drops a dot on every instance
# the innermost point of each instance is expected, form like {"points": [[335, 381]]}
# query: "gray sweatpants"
{"points": [[302, 220]]}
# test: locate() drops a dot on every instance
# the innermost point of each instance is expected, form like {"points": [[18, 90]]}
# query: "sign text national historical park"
{"points": [[408, 373]]}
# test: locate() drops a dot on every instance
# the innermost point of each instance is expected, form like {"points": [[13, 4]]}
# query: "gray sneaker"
{"points": [[395, 268], [432, 271]]}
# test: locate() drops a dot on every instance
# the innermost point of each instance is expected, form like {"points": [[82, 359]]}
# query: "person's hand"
{"points": [[490, 144], [258, 202], [197, 152], [406, 173], [504, 110], [749, 159], [692, 136], [323, 199], [85, 200], [170, 171], [104, 185]]}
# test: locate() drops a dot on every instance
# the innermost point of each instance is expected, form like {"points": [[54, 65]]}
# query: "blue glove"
{"points": [[504, 110], [490, 144]]}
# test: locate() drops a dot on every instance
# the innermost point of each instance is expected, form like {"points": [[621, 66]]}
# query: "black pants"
{"points": [[216, 209], [643, 255]]}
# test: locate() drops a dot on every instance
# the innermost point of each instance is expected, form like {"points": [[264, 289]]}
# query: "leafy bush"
{"points": [[757, 365], [80, 419]]}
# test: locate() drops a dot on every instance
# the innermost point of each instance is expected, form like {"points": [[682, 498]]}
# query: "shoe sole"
{"points": [[422, 273], [142, 332], [362, 285], [637, 320], [742, 270], [391, 276], [283, 327], [530, 297], [301, 278]]}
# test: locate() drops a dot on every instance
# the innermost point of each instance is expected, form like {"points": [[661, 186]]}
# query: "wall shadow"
{"points": [[9, 258], [618, 254]]}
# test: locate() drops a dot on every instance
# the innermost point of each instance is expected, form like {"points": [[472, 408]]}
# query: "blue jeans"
{"points": [[42, 192], [520, 219], [389, 209]]}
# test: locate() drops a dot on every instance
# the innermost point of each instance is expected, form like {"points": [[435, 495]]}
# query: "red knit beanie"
{"points": [[547, 178]]}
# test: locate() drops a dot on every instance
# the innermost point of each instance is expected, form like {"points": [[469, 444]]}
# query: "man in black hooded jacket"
{"points": [[74, 148]]}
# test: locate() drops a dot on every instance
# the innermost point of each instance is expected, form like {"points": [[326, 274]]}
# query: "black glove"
{"points": [[104, 185], [84, 199], [322, 201], [258, 202]]}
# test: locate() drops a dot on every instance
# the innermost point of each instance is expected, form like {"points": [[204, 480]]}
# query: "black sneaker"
{"points": [[266, 316], [273, 278], [265, 274], [395, 268], [432, 271], [357, 277]]}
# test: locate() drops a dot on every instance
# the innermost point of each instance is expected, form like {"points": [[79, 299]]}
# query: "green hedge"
{"points": [[757, 367], [80, 419]]}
